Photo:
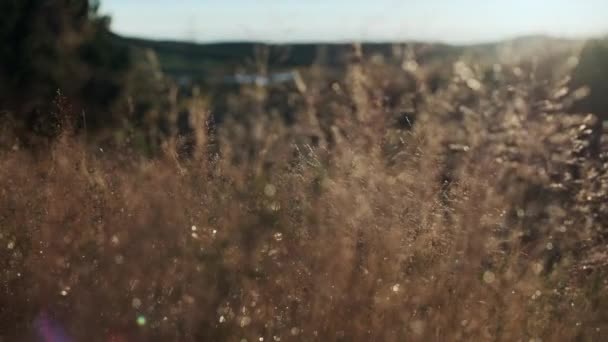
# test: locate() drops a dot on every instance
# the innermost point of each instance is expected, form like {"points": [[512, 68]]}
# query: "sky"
{"points": [[451, 21]]}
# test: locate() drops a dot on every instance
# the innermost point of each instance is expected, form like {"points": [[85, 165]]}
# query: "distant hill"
{"points": [[206, 60], [181, 58]]}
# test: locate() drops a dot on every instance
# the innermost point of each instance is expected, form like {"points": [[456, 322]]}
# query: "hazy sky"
{"points": [[458, 21]]}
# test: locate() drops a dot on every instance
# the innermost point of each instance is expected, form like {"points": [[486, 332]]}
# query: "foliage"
{"points": [[592, 72], [482, 219], [58, 45]]}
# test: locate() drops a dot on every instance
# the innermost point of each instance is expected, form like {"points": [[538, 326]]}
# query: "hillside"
{"points": [[201, 60]]}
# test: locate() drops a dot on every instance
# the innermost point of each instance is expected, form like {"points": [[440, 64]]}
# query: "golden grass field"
{"points": [[483, 220]]}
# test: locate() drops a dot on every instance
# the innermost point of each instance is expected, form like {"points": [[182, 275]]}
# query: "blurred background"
{"points": [[130, 66]]}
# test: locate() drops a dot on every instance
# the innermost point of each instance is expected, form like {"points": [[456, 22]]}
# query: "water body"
{"points": [[262, 80]]}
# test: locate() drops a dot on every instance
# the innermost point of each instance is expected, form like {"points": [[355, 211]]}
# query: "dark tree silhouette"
{"points": [[58, 45]]}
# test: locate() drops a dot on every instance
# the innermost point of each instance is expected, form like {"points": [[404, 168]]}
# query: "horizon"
{"points": [[353, 41], [340, 21]]}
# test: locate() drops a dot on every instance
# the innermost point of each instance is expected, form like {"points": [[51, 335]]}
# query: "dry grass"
{"points": [[486, 221]]}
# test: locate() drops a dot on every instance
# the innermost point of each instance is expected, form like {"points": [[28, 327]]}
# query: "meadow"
{"points": [[465, 199]]}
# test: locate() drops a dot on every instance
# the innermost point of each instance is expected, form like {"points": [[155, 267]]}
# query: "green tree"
{"points": [[592, 71], [59, 45]]}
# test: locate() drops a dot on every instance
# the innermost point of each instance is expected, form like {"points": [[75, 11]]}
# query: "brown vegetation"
{"points": [[486, 220]]}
